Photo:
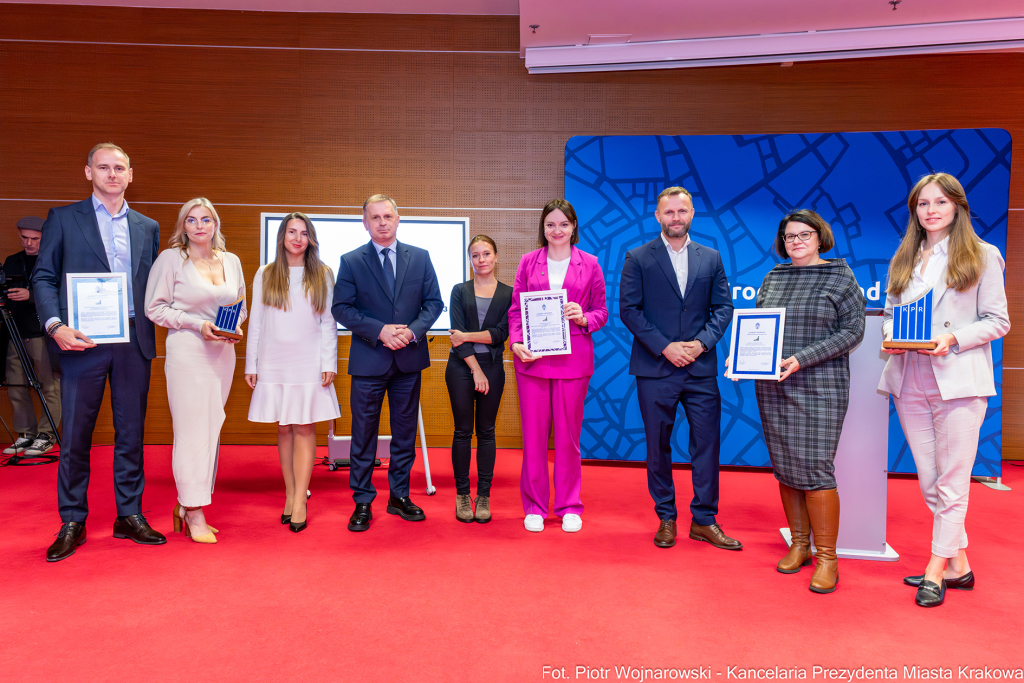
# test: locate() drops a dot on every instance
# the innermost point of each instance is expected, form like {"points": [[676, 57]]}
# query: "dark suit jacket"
{"points": [[71, 243], [657, 313], [466, 318], [363, 304]]}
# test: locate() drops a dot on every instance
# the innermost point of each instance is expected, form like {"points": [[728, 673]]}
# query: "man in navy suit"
{"points": [[387, 295], [99, 235], [675, 300]]}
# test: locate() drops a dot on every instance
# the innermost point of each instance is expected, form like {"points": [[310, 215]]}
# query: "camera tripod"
{"points": [[32, 381]]}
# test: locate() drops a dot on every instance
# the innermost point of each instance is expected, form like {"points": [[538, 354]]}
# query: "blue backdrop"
{"points": [[742, 185]]}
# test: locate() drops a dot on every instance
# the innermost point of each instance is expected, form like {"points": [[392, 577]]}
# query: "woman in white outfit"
{"points": [[291, 357], [941, 395], [187, 285]]}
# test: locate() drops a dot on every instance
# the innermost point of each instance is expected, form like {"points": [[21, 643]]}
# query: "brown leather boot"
{"points": [[463, 508], [799, 555], [823, 512]]}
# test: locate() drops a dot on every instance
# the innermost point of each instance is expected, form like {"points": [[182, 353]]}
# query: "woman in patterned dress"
{"points": [[802, 413]]}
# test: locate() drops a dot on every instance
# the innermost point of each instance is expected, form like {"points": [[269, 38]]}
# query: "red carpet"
{"points": [[444, 601]]}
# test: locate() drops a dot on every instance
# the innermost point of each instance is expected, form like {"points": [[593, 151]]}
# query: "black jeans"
{"points": [[459, 379]]}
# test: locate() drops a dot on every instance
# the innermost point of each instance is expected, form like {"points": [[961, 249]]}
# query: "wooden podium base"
{"points": [[228, 335], [909, 346]]}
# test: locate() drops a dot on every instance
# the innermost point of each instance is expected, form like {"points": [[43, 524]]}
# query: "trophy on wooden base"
{"points": [[227, 320], [912, 325]]}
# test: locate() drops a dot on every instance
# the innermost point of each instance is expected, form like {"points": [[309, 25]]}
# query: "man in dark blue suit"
{"points": [[674, 298], [99, 235], [387, 296]]}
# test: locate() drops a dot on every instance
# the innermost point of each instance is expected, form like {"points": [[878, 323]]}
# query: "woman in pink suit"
{"points": [[552, 388]]}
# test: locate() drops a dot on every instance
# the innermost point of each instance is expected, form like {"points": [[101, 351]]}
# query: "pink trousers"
{"points": [[943, 437], [543, 403]]}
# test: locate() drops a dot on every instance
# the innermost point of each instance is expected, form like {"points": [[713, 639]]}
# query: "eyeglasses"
{"points": [[206, 222], [802, 236]]}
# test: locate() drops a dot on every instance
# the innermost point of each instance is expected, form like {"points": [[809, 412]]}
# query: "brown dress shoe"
{"points": [[713, 534], [799, 555], [823, 511], [666, 536], [70, 536], [138, 529], [463, 508]]}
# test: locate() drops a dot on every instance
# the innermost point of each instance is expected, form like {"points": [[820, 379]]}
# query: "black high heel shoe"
{"points": [[296, 528], [285, 519]]}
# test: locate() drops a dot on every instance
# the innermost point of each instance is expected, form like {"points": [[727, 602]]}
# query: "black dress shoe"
{"points": [[138, 529], [931, 594], [70, 536], [404, 508], [360, 519], [961, 583]]}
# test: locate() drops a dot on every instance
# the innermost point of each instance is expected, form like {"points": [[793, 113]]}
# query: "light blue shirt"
{"points": [[117, 243], [393, 257]]}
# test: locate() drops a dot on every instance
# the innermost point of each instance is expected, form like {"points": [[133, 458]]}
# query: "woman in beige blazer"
{"points": [[941, 395]]}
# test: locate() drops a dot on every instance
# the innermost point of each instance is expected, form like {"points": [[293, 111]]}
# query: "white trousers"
{"points": [[943, 437]]}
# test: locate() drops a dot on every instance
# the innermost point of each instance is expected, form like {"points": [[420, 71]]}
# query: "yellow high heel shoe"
{"points": [[179, 520], [180, 524]]}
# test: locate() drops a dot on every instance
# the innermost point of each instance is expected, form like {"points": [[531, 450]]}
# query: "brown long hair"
{"points": [[317, 276], [966, 253]]}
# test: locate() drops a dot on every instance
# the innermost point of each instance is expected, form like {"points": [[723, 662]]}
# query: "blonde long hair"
{"points": [[966, 251], [317, 277], [179, 238]]}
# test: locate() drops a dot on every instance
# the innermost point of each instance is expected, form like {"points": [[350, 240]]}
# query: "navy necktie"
{"points": [[389, 272]]}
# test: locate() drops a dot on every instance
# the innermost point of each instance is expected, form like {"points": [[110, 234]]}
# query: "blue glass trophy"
{"points": [[227, 320], [912, 324]]}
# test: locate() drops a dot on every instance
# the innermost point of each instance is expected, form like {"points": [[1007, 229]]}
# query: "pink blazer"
{"points": [[584, 283]]}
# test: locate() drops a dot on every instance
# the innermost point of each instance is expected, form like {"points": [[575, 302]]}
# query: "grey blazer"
{"points": [[976, 317]]}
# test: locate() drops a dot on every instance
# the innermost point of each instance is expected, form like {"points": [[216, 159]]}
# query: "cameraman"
{"points": [[35, 433]]}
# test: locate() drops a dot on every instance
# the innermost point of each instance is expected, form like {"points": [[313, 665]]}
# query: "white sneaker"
{"points": [[39, 446], [19, 445], [572, 523], [534, 523]]}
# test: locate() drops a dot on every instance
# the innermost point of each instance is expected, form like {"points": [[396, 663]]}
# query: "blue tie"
{"points": [[389, 273]]}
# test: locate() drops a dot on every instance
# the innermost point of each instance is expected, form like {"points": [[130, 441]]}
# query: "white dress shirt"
{"points": [[680, 262], [924, 278]]}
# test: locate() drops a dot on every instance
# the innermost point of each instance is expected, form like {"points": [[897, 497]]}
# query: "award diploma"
{"points": [[757, 343], [545, 329], [98, 306]]}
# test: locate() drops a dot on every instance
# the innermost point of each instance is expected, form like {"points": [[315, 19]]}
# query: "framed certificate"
{"points": [[98, 306], [545, 329], [757, 335]]}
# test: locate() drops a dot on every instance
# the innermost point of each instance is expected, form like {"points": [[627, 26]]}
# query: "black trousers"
{"points": [[366, 399], [469, 406], [85, 375]]}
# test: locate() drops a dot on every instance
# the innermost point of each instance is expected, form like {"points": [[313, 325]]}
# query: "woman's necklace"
{"points": [[206, 263]]}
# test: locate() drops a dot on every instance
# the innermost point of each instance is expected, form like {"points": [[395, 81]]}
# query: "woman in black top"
{"points": [[476, 374]]}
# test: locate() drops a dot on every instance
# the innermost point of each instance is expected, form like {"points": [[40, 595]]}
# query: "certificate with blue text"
{"points": [[98, 306], [545, 329], [757, 343]]}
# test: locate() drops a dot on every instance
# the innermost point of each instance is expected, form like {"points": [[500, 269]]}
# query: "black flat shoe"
{"points": [[296, 528], [360, 519], [285, 519], [930, 594], [404, 508], [962, 583]]}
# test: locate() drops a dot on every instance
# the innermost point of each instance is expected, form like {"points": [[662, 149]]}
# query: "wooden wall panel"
{"points": [[276, 111]]}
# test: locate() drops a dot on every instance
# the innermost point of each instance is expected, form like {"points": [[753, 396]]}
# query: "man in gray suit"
{"points": [[99, 235]]}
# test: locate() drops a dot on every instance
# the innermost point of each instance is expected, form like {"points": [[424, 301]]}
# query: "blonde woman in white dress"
{"points": [[291, 357], [187, 284]]}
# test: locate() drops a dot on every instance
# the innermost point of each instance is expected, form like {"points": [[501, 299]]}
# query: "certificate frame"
{"points": [[74, 280], [741, 318], [557, 297]]}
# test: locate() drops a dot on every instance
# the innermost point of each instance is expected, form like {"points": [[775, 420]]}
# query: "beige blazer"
{"points": [[975, 317]]}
